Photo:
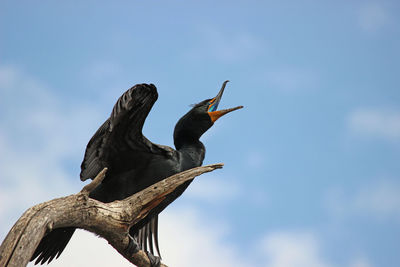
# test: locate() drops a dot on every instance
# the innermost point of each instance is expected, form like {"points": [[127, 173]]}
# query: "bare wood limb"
{"points": [[96, 181], [108, 220]]}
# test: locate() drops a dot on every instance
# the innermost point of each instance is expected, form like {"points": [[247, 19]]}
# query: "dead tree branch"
{"points": [[108, 220]]}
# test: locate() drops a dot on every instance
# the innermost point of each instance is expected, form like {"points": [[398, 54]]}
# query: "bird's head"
{"points": [[200, 118]]}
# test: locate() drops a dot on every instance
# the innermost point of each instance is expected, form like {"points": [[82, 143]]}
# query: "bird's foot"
{"points": [[133, 246], [154, 260]]}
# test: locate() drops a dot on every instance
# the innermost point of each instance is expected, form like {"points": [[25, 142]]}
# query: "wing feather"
{"points": [[124, 125]]}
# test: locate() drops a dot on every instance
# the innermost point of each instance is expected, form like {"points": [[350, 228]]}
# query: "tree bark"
{"points": [[108, 220]]}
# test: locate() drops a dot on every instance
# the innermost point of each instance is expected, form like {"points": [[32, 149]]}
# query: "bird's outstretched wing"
{"points": [[122, 130], [118, 140], [120, 133]]}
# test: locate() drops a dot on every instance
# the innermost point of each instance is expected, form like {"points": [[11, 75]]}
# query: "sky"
{"points": [[312, 173]]}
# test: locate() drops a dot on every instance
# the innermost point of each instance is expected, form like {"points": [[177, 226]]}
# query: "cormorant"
{"points": [[135, 163]]}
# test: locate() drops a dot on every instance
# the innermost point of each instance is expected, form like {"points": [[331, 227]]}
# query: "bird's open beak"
{"points": [[212, 109]]}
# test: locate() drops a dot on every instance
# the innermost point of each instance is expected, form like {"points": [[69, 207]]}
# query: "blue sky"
{"points": [[311, 174]]}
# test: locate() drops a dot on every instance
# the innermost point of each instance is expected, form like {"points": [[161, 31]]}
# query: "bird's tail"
{"points": [[52, 245], [145, 235]]}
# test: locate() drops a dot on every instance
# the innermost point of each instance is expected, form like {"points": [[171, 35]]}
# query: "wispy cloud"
{"points": [[186, 234], [379, 200], [383, 123], [187, 238], [298, 249], [372, 16], [37, 134], [8, 77], [360, 262], [214, 188], [35, 178], [86, 249], [295, 249]]}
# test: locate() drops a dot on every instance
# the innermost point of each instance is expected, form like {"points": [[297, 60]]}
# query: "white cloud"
{"points": [[213, 188], [38, 132], [372, 16], [360, 262], [86, 249], [298, 249], [379, 200], [27, 180], [384, 123], [7, 77], [189, 238], [294, 249]]}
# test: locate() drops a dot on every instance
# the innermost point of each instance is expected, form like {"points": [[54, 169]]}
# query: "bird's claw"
{"points": [[133, 246], [154, 260]]}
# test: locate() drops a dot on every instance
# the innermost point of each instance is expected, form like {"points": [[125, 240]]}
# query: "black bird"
{"points": [[135, 163]]}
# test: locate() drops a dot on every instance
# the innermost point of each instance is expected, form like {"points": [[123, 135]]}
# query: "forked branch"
{"points": [[108, 220]]}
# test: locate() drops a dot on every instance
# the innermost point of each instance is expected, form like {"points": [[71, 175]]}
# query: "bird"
{"points": [[135, 163]]}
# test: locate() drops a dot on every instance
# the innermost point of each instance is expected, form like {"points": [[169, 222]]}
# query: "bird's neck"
{"points": [[192, 154], [187, 133]]}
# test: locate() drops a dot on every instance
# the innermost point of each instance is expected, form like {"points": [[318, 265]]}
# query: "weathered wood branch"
{"points": [[108, 220]]}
